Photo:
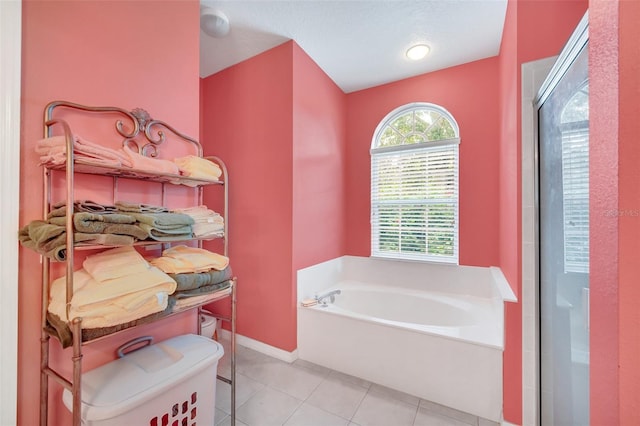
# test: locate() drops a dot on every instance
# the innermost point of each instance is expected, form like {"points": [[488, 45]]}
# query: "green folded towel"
{"points": [[163, 221], [125, 206], [196, 280], [49, 240], [84, 219], [201, 290], [112, 223], [177, 234], [60, 208]]}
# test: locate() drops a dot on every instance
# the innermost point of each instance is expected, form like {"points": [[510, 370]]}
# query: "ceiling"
{"points": [[358, 43]]}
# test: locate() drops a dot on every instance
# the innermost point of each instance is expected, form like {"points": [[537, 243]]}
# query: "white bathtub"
{"points": [[433, 331]]}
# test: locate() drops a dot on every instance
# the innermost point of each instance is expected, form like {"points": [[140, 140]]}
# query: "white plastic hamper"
{"points": [[168, 383]]}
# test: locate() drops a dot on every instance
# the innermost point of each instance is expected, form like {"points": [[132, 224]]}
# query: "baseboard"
{"points": [[507, 424], [261, 347]]}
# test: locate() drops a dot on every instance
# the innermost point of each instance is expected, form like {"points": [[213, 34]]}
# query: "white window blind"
{"points": [[414, 202], [414, 185], [575, 186]]}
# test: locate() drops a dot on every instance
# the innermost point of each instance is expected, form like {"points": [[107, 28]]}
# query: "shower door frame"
{"points": [[574, 46]]}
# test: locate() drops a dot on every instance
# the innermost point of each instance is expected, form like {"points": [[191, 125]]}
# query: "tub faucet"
{"points": [[322, 298]]}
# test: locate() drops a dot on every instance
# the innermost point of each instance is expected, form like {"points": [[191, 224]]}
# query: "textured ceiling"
{"points": [[358, 43]]}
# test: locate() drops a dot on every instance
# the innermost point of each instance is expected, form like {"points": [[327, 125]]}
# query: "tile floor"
{"points": [[273, 392]]}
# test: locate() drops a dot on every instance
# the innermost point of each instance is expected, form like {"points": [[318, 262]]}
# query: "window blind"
{"points": [[414, 202], [575, 186]]}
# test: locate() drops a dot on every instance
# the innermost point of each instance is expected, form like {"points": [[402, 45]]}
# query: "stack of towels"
{"points": [[118, 225], [113, 287], [94, 224], [157, 222], [118, 288], [53, 151], [201, 275], [206, 222]]}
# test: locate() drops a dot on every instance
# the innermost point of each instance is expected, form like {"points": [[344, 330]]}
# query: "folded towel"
{"points": [[176, 234], [110, 223], [62, 331], [89, 303], [115, 263], [192, 281], [207, 223], [198, 168], [151, 165], [127, 207], [53, 151], [48, 240], [206, 289], [163, 221], [60, 208], [189, 302], [84, 218], [109, 240], [183, 259]]}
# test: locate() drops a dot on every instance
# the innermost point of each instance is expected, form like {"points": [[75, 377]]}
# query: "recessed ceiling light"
{"points": [[417, 52]]}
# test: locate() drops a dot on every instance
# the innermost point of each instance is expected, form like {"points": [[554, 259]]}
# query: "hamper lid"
{"points": [[138, 376]]}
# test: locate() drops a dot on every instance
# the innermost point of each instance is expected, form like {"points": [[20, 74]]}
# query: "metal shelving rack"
{"points": [[133, 126]]}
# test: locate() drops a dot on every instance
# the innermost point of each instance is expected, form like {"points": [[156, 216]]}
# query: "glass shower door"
{"points": [[563, 188]]}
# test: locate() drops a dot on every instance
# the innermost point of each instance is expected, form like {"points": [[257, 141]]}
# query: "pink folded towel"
{"points": [[53, 152], [148, 164]]}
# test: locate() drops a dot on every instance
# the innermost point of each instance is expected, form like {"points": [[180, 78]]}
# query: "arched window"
{"points": [[414, 185]]}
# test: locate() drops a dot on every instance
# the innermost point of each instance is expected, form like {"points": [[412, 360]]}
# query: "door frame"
{"points": [[10, 91], [538, 80]]}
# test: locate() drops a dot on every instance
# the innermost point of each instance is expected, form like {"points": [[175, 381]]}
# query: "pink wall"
{"points": [[474, 107], [247, 121], [533, 30], [604, 196], [125, 54], [277, 121], [319, 132], [614, 156], [510, 211], [629, 225]]}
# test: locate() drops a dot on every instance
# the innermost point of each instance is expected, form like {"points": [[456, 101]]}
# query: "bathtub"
{"points": [[433, 331]]}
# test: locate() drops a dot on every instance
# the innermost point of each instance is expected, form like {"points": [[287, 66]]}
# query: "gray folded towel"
{"points": [[84, 219], [196, 280], [125, 206], [47, 239], [201, 290], [112, 223], [182, 233], [164, 221], [60, 208], [110, 240]]}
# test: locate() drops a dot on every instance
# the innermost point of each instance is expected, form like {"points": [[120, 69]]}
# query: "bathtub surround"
{"points": [[271, 391], [442, 339]]}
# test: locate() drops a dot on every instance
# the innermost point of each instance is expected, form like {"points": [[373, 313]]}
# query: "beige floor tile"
{"points": [[245, 389], [308, 415], [377, 410], [430, 418], [267, 407], [338, 396]]}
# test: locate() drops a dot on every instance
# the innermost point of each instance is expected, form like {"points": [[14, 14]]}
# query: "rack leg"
{"points": [[44, 379], [77, 371], [233, 353]]}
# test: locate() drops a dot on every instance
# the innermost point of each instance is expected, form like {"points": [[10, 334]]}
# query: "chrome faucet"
{"points": [[322, 298]]}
